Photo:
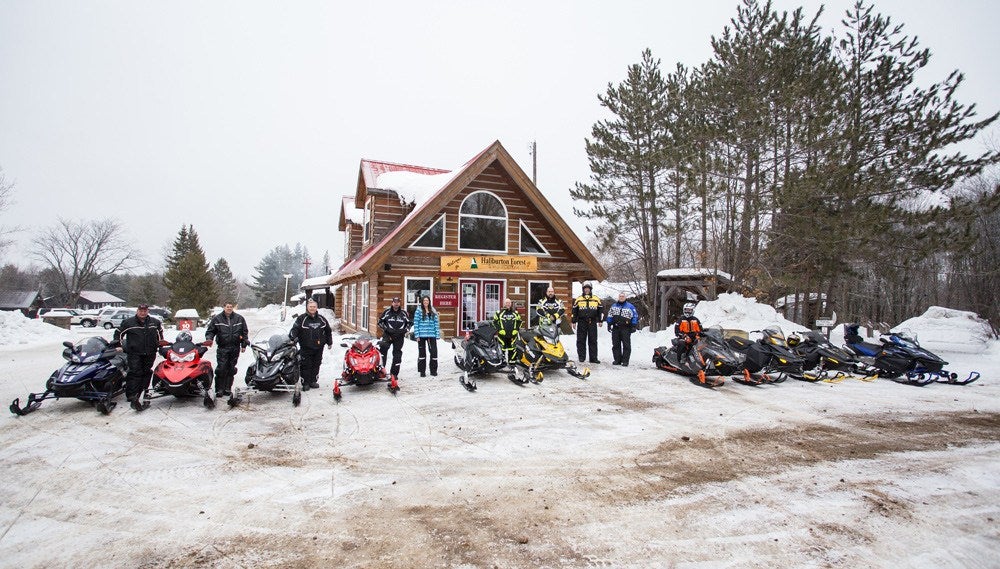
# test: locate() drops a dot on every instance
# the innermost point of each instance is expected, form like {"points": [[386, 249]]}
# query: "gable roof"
{"points": [[349, 213], [406, 231], [98, 296], [372, 169], [11, 299]]}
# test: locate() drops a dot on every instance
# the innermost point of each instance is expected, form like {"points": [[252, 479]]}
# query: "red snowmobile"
{"points": [[363, 366], [183, 373]]}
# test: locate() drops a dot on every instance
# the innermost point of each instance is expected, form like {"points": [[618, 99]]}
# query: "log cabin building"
{"points": [[467, 238]]}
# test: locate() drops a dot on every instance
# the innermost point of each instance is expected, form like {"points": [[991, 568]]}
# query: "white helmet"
{"points": [[689, 309]]}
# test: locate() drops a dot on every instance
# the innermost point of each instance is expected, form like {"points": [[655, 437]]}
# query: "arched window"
{"points": [[482, 223]]}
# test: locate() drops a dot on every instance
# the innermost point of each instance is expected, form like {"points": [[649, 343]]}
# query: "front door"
{"points": [[479, 300]]}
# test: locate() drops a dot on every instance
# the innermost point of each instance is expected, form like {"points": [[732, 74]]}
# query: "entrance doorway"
{"points": [[479, 300]]}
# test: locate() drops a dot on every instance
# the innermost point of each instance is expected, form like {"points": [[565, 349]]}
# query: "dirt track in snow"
{"points": [[644, 471]]}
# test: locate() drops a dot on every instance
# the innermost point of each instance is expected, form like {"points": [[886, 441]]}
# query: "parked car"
{"points": [[161, 314], [88, 318], [113, 318], [75, 316]]}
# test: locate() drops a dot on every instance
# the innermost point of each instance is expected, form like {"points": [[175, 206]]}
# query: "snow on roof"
{"points": [[608, 289], [413, 187], [314, 282], [17, 298], [792, 298], [186, 313], [694, 272], [351, 213], [99, 296], [372, 169]]}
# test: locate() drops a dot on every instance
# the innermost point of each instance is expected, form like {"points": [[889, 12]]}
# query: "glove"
{"points": [[208, 343], [164, 343]]}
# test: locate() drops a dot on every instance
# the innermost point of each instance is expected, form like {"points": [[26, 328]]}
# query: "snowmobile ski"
{"points": [[467, 382], [952, 378]]}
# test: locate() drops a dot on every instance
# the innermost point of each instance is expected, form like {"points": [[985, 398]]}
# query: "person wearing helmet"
{"points": [[588, 314], [622, 321], [687, 330]]}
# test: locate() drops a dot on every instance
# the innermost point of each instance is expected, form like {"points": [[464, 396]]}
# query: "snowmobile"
{"points": [[363, 366], [479, 353], [768, 359], [901, 359], [540, 349], [182, 372], [706, 363], [821, 360], [275, 367], [94, 373]]}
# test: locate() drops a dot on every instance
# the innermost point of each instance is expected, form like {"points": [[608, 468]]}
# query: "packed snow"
{"points": [[947, 329], [18, 330], [413, 187], [634, 467]]}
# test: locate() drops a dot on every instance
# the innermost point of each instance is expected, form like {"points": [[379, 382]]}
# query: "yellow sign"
{"points": [[489, 264]]}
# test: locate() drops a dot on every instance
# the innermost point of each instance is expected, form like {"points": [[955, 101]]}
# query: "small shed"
{"points": [[26, 301], [187, 319], [678, 286]]}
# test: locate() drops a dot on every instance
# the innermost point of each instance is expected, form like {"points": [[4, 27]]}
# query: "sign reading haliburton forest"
{"points": [[489, 263]]}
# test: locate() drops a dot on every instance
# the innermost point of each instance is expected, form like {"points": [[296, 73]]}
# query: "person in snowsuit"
{"points": [[622, 321], [427, 331], [687, 331], [508, 322], [312, 331], [550, 309], [394, 322], [139, 337], [229, 331], [588, 314]]}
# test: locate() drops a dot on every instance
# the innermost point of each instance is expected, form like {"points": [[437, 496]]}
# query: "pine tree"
{"points": [[224, 281], [188, 277], [269, 282], [628, 155]]}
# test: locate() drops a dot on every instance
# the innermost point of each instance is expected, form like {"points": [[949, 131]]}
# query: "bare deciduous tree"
{"points": [[83, 252], [6, 195]]}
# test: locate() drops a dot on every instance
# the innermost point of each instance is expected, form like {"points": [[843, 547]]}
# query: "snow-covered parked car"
{"points": [[74, 315]]}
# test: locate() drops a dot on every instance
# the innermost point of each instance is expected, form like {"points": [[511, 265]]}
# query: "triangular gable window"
{"points": [[528, 242], [433, 238]]}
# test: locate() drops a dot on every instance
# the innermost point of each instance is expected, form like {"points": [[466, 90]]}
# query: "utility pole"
{"points": [[307, 262]]}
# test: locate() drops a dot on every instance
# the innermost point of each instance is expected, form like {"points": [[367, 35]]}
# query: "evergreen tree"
{"points": [[188, 277], [225, 281], [628, 156], [269, 282]]}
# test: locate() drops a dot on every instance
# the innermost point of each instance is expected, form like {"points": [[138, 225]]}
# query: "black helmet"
{"points": [[793, 340], [183, 337], [689, 309]]}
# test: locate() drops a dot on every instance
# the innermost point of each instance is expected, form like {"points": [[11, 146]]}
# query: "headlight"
{"points": [[174, 357], [783, 360]]}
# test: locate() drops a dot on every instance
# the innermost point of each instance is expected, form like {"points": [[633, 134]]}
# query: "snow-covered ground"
{"points": [[634, 467]]}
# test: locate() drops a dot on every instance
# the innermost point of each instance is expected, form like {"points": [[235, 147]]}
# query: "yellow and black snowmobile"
{"points": [[539, 349]]}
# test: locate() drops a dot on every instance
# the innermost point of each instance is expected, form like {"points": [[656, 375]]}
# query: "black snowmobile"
{"points": [[768, 359], [539, 349], [901, 359], [706, 363], [478, 353], [275, 368], [94, 372], [821, 360]]}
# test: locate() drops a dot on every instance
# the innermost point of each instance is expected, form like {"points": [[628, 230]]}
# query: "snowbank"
{"points": [[734, 311], [17, 330], [949, 330]]}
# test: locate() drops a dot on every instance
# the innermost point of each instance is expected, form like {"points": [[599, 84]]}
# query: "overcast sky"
{"points": [[249, 119]]}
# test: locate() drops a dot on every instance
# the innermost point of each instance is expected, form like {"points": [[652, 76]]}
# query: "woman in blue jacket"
{"points": [[427, 330]]}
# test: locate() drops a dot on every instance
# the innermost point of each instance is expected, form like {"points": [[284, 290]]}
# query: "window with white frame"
{"points": [[416, 288], [364, 305], [482, 223], [354, 304], [433, 238], [529, 243]]}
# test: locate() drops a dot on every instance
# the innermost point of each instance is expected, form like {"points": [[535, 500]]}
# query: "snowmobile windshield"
{"points": [[484, 333], [774, 336], [549, 332], [89, 350], [906, 338], [715, 333], [362, 344], [270, 338]]}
